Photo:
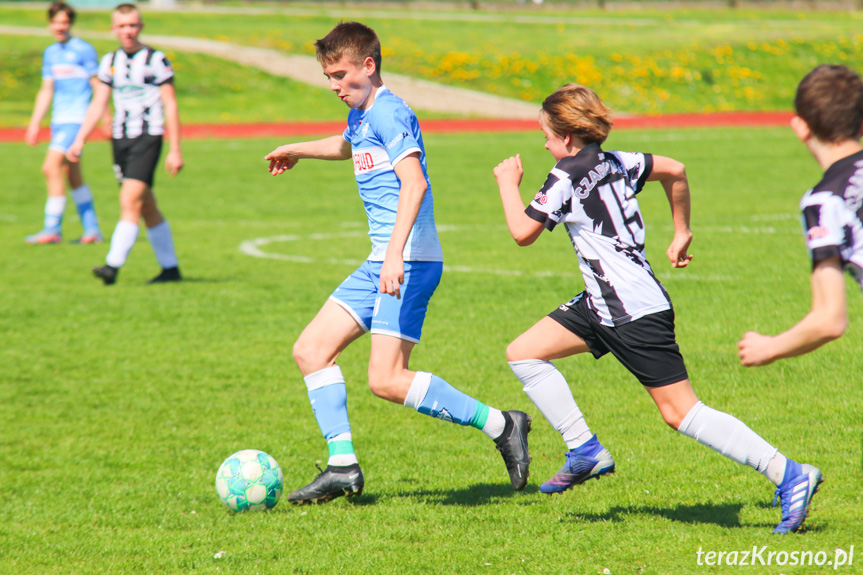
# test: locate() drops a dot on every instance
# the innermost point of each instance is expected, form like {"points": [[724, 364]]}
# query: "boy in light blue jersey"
{"points": [[68, 69], [388, 295]]}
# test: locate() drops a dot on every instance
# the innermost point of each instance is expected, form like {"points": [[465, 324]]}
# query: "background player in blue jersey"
{"points": [[829, 120], [68, 73], [624, 309], [389, 293]]}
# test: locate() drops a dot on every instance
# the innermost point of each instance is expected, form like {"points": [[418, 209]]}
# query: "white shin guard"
{"points": [[727, 435], [548, 390]]}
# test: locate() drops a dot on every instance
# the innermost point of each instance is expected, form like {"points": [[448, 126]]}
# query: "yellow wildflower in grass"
{"points": [[583, 69]]}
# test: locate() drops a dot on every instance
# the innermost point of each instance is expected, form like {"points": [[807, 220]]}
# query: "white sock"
{"points": [[82, 195], [54, 208], [495, 423], [343, 459], [729, 436], [162, 243], [418, 390], [123, 239], [547, 389], [775, 471]]}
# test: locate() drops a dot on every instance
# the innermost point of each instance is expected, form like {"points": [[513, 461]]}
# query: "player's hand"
{"points": [[509, 171], [174, 163], [32, 135], [73, 154], [755, 349], [392, 276], [281, 159], [676, 252]]}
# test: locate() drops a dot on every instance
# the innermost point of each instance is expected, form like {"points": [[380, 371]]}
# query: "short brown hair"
{"points": [[126, 8], [58, 7], [577, 110], [830, 101], [352, 39]]}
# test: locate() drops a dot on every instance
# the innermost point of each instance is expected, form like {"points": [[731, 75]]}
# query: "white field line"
{"points": [[255, 248]]}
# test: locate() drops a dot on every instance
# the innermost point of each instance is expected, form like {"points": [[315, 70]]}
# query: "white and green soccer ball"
{"points": [[249, 480]]}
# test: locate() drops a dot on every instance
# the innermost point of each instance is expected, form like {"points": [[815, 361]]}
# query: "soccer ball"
{"points": [[249, 480]]}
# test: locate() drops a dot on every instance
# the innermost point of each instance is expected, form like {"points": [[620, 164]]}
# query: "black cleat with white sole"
{"points": [[331, 483], [512, 445]]}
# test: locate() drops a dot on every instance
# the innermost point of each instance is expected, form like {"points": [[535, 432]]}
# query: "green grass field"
{"points": [[643, 61], [119, 404]]}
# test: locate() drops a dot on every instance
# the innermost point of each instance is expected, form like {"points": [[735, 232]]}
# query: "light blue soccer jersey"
{"points": [[380, 137], [70, 65]]}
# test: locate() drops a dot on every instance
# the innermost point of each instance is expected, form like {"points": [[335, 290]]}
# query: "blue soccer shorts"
{"points": [[62, 136], [386, 314]]}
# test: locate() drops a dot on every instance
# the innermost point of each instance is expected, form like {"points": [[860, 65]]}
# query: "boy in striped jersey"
{"points": [[389, 293], [145, 104], [829, 120], [68, 76], [624, 310]]}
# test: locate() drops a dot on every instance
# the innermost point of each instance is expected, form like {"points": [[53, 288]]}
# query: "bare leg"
{"points": [[674, 401], [389, 376], [325, 338], [55, 168]]}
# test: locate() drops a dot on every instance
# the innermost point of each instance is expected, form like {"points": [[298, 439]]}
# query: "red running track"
{"points": [[452, 126]]}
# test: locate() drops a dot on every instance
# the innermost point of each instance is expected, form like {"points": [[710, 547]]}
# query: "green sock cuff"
{"points": [[340, 447], [480, 415]]}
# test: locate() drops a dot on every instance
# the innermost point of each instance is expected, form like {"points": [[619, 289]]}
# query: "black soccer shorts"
{"points": [[646, 346], [137, 158]]}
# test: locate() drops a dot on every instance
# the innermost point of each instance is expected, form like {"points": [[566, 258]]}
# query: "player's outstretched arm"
{"points": [[174, 159], [95, 111], [286, 157], [40, 108], [523, 228], [825, 322], [672, 175]]}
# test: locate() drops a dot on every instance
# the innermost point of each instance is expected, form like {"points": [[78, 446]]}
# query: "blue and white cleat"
{"points": [[796, 497], [588, 461]]}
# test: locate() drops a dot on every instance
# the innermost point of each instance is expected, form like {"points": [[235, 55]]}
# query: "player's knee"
{"points": [[52, 170], [672, 417], [385, 385], [379, 383], [306, 356], [515, 352]]}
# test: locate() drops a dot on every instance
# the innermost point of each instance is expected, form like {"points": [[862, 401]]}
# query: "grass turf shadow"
{"points": [[473, 496], [725, 515]]}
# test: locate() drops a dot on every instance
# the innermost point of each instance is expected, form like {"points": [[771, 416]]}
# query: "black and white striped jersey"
{"points": [[833, 215], [135, 80], [593, 194]]}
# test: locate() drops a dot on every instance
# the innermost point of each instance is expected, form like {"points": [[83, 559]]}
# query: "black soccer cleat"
{"points": [[106, 273], [331, 483], [512, 445], [167, 275]]}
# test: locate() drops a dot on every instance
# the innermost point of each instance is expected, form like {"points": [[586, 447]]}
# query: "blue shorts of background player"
{"points": [[62, 136], [381, 313]]}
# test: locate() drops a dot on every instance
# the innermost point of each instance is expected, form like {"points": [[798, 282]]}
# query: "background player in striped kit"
{"points": [[141, 80], [389, 293], [829, 121], [625, 310], [68, 70]]}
